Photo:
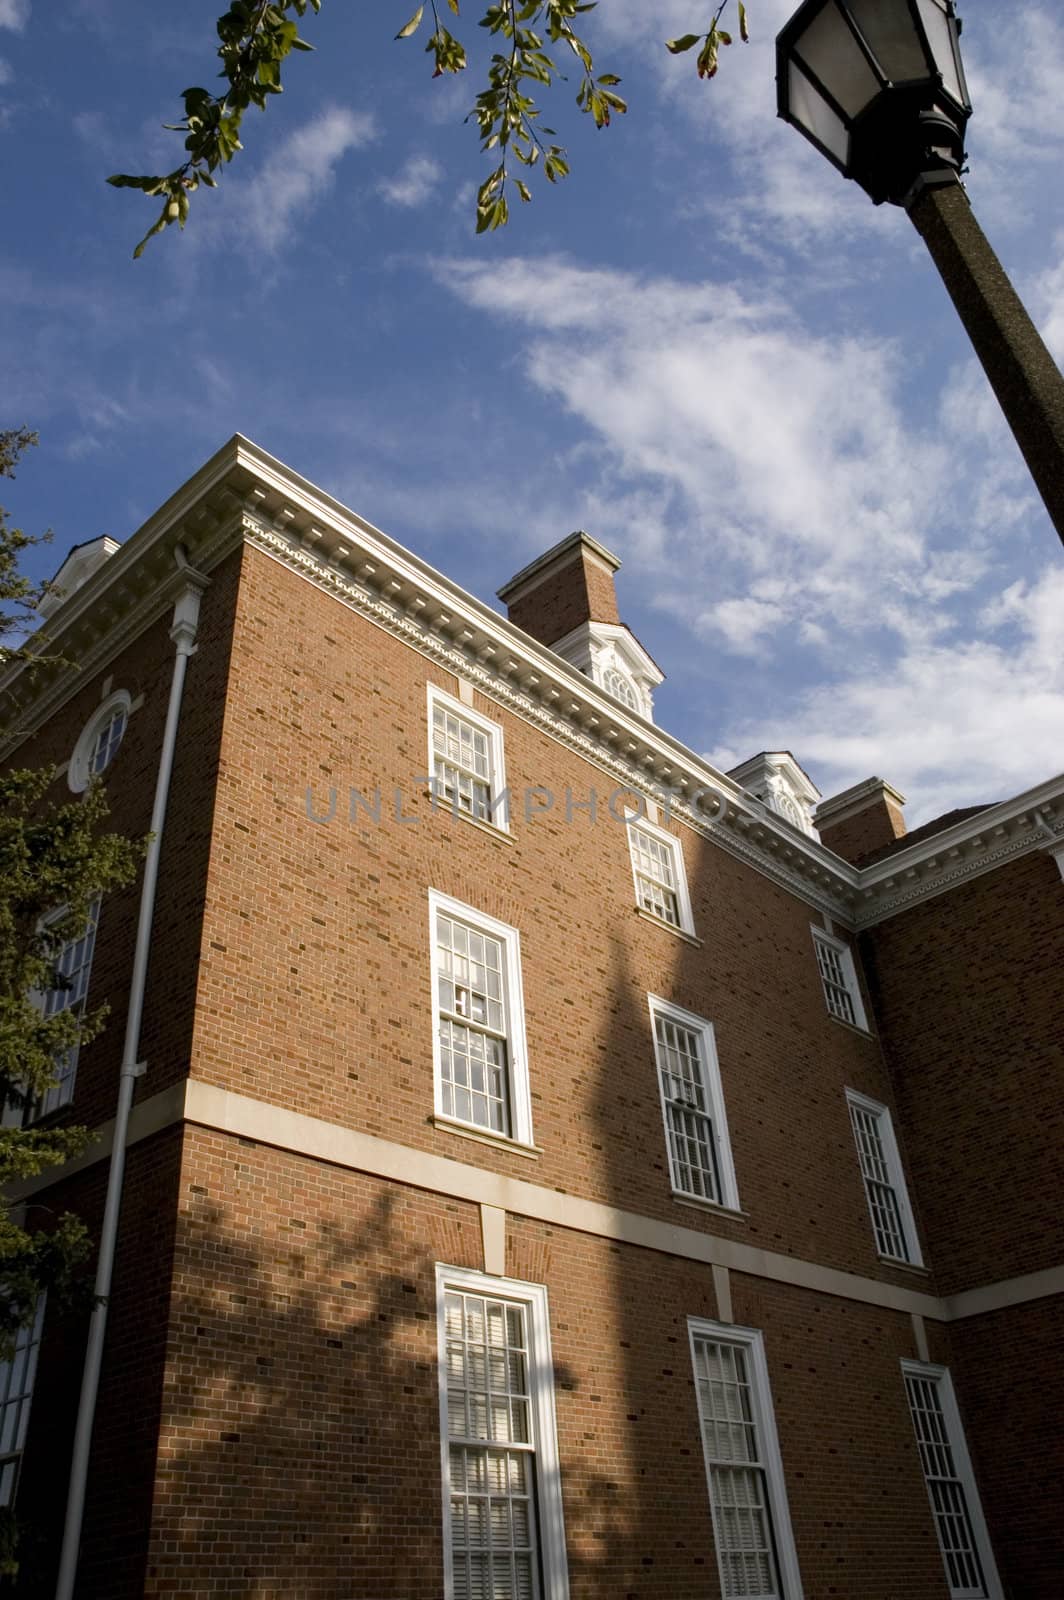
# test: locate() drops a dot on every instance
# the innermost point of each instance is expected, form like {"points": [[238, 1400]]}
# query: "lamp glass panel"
{"points": [[940, 38], [829, 49], [812, 112], [893, 36]]}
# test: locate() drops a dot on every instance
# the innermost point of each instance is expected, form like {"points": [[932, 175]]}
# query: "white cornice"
{"points": [[243, 493]]}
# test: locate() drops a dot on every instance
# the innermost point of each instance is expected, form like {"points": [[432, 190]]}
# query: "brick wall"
{"points": [[315, 981], [300, 1444], [968, 994], [581, 591]]}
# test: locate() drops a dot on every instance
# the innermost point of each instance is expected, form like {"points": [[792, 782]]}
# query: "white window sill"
{"points": [[659, 922], [904, 1266], [712, 1206], [500, 835], [851, 1027], [499, 1141]]}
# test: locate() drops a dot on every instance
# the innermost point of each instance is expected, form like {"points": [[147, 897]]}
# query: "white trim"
{"points": [[242, 488], [78, 774], [896, 1173], [520, 1094], [751, 1340], [549, 1514], [844, 955], [679, 869], [499, 798], [728, 1199], [205, 1105], [940, 1377]]}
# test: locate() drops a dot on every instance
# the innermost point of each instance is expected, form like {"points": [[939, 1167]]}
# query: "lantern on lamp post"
{"points": [[878, 86]]}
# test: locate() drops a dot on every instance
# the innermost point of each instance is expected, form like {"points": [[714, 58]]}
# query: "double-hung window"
{"points": [[504, 1534], [838, 975], [658, 870], [962, 1536], [692, 1104], [466, 760], [747, 1495], [73, 967], [16, 1392], [884, 1181], [479, 1038]]}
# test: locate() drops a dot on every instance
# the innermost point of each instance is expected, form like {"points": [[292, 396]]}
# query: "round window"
{"points": [[98, 741]]}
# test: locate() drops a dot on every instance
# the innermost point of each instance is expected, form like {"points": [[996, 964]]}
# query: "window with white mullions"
{"points": [[493, 1520], [504, 1532], [74, 968], [481, 1071], [836, 989], [962, 1536], [473, 1031], [655, 874], [466, 760], [751, 1524], [621, 687], [692, 1101], [658, 870], [838, 976], [16, 1392], [105, 745], [893, 1224]]}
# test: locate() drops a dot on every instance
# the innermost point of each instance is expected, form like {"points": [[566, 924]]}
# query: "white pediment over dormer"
{"points": [[779, 782], [611, 655]]}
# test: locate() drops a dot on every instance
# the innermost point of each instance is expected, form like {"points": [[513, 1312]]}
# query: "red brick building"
{"points": [[556, 1170]]}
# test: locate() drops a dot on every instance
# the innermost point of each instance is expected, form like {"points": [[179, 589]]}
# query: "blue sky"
{"points": [[704, 348]]}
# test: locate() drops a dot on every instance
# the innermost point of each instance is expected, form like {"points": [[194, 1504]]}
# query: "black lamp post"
{"points": [[878, 87]]}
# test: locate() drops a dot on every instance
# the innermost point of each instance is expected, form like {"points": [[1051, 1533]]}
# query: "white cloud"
{"points": [[969, 722], [802, 510], [14, 14], [413, 183], [265, 209]]}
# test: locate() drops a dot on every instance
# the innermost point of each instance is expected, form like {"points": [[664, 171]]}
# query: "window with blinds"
{"points": [[751, 1524], [502, 1496]]}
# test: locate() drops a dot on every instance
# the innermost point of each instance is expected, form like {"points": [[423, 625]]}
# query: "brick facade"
{"points": [[269, 1416]]}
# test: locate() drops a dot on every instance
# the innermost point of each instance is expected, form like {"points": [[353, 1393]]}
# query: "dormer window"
{"points": [[776, 779], [621, 687]]}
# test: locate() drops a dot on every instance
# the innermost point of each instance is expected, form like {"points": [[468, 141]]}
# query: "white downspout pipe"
{"points": [[183, 633]]}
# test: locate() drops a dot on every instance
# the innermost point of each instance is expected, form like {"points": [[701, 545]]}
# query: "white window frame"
{"points": [[640, 823], [15, 1116], [17, 1378], [713, 1094], [80, 773], [850, 984], [499, 799], [519, 1087], [550, 1524], [751, 1342], [964, 1477], [895, 1179]]}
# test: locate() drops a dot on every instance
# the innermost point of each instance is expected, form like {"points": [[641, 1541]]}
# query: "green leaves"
{"points": [[255, 38]]}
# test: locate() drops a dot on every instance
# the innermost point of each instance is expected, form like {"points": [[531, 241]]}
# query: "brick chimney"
{"points": [[570, 585], [861, 820]]}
